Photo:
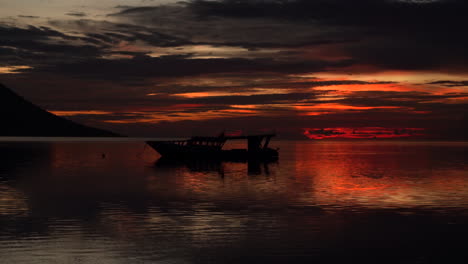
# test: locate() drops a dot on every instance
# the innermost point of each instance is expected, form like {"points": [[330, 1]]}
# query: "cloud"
{"points": [[247, 63], [385, 35], [367, 13], [25, 16], [389, 98], [29, 32], [42, 45], [113, 32], [140, 67], [450, 83], [388, 35], [260, 99], [184, 20], [76, 14]]}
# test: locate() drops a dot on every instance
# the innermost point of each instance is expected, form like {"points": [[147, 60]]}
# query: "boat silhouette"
{"points": [[212, 148]]}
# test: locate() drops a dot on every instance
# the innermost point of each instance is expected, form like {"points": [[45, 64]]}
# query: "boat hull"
{"points": [[175, 151]]}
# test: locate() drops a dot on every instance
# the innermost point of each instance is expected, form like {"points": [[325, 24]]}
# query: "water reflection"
{"points": [[385, 175], [327, 175], [254, 167], [321, 202]]}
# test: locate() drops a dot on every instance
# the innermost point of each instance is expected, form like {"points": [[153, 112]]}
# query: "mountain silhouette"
{"points": [[18, 117]]}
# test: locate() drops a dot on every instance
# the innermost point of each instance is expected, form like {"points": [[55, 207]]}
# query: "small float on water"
{"points": [[212, 148]]}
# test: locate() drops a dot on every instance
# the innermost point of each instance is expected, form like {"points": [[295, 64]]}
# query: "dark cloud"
{"points": [[369, 13], [392, 34], [134, 10], [450, 83], [24, 16], [40, 33], [401, 35], [76, 14], [253, 99], [158, 39], [117, 32], [172, 66], [384, 34], [42, 46], [416, 101], [184, 20]]}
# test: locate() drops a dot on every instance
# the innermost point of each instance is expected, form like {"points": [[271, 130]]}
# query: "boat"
{"points": [[212, 148]]}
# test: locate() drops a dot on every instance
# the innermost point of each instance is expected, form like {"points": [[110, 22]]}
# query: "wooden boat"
{"points": [[212, 148]]}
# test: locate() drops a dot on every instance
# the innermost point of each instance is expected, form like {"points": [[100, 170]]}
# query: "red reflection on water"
{"points": [[378, 175]]}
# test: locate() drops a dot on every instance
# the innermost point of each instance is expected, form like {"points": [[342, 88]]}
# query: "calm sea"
{"points": [[322, 202]]}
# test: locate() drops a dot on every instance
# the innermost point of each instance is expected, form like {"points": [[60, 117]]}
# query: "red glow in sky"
{"points": [[362, 133], [162, 68]]}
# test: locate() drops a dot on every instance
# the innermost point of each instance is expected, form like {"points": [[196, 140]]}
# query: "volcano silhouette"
{"points": [[18, 117]]}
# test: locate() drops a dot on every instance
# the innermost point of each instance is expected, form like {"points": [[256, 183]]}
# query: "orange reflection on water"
{"points": [[12, 201]]}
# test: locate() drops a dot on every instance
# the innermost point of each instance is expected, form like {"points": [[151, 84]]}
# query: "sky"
{"points": [[303, 68]]}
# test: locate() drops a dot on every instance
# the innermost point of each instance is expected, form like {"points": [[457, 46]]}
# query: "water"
{"points": [[322, 202]]}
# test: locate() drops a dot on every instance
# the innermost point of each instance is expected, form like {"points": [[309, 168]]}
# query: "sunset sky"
{"points": [[177, 68]]}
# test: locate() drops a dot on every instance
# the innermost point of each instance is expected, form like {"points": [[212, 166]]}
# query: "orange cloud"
{"points": [[369, 87], [156, 117], [80, 112], [335, 106], [13, 69]]}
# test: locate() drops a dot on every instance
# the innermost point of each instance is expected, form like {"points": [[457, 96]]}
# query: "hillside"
{"points": [[18, 117]]}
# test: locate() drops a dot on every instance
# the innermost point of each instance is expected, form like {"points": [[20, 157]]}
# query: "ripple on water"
{"points": [[320, 203]]}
